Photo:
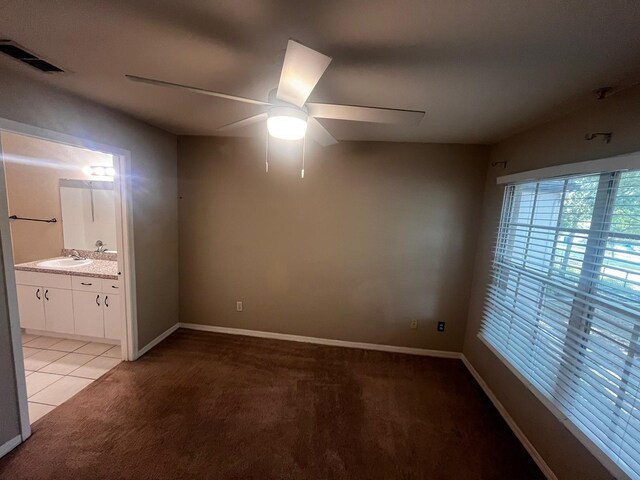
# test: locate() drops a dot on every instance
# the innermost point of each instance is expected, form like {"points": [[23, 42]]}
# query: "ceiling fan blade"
{"points": [[301, 71], [318, 133], [244, 122], [357, 113], [162, 83]]}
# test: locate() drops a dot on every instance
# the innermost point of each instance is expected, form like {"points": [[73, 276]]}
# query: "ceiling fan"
{"points": [[289, 115]]}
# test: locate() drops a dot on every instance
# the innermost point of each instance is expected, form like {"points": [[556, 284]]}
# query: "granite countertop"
{"points": [[97, 268]]}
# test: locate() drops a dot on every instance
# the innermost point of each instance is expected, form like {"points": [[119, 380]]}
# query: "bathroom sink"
{"points": [[64, 263]]}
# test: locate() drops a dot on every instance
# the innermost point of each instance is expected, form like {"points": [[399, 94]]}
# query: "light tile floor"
{"points": [[56, 369]]}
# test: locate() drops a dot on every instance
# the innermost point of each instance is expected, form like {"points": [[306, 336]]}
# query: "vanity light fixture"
{"points": [[98, 171]]}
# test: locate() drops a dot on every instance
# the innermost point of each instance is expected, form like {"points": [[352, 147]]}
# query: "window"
{"points": [[563, 306]]}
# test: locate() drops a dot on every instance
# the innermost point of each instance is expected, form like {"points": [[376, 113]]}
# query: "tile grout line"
{"points": [[55, 381], [68, 374], [72, 374], [60, 379], [42, 403]]}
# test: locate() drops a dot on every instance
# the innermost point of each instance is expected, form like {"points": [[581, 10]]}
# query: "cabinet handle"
{"points": [[113, 286], [106, 301], [45, 295], [38, 294], [89, 284], [98, 300]]}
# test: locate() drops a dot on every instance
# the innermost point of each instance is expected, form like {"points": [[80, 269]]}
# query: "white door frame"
{"points": [[126, 265]]}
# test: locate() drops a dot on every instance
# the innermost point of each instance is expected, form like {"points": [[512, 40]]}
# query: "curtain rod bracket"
{"points": [[495, 164]]}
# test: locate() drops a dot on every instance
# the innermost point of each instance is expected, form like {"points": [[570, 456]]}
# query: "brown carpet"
{"points": [[209, 406]]}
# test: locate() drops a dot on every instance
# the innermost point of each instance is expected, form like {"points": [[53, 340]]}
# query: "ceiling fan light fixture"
{"points": [[291, 116], [287, 123]]}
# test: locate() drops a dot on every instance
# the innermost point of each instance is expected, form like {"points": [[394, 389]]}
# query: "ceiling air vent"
{"points": [[15, 51]]}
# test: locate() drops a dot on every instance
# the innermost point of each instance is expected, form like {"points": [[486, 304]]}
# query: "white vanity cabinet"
{"points": [[43, 308], [112, 316], [44, 301], [96, 308], [58, 310], [87, 314], [31, 307], [72, 304]]}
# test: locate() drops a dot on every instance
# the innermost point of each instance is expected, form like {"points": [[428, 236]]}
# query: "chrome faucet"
{"points": [[101, 246], [76, 255]]}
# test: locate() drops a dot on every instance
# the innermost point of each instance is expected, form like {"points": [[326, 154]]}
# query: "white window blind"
{"points": [[563, 306]]}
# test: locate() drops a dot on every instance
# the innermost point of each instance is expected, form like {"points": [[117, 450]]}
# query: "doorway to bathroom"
{"points": [[67, 261]]}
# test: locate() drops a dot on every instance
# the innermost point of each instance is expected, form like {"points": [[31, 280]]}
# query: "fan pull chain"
{"points": [[304, 143], [266, 154]]}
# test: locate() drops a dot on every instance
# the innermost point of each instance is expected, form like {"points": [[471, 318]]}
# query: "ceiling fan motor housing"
{"points": [[287, 112]]}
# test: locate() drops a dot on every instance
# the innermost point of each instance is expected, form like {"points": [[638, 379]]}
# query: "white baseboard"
{"points": [[10, 445], [546, 470], [537, 458], [71, 336], [157, 340], [322, 341]]}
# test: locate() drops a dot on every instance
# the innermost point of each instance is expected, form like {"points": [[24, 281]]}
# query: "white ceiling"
{"points": [[481, 69]]}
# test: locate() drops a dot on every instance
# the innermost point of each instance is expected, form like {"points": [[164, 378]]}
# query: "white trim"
{"points": [[589, 444], [126, 262], [322, 341], [71, 336], [126, 256], [129, 339], [157, 340], [10, 445], [12, 304], [546, 470], [537, 458], [629, 161]]}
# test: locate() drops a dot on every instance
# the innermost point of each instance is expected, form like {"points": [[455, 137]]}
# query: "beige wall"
{"points": [[33, 169], [154, 174], [561, 141], [375, 235]]}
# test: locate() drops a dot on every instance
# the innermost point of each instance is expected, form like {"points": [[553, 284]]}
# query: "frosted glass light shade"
{"points": [[286, 127]]}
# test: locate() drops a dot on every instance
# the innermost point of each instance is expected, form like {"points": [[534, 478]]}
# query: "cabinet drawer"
{"points": [[37, 279], [110, 286], [85, 284]]}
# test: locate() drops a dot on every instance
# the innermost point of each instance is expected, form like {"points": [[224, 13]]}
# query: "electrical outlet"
{"points": [[413, 324], [441, 326], [238, 306]]}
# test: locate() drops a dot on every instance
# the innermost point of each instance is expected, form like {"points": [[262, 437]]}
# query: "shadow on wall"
{"points": [[374, 236]]}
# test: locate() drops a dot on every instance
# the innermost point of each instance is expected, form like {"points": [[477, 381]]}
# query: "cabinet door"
{"points": [[112, 317], [87, 314], [58, 310], [30, 307]]}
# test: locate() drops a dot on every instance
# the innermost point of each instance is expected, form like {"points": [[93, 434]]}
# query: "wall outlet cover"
{"points": [[238, 306], [441, 326]]}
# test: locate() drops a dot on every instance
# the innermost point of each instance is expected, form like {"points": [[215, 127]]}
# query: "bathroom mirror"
{"points": [[88, 214]]}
